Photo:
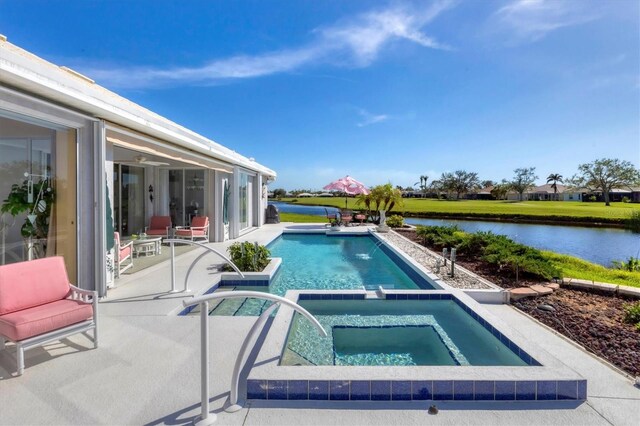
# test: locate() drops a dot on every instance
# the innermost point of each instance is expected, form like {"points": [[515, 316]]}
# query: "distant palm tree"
{"points": [[555, 178], [423, 184]]}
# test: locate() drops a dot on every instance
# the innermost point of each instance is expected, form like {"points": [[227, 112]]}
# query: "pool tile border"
{"points": [[418, 390]]}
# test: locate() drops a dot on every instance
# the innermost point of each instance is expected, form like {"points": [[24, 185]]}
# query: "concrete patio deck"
{"points": [[146, 370]]}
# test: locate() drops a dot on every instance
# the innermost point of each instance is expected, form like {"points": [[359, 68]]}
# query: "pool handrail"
{"points": [[207, 417], [208, 249]]}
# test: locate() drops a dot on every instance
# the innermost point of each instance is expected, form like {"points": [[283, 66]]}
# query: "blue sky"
{"points": [[383, 91]]}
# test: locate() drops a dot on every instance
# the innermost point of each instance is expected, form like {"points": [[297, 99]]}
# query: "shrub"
{"points": [[395, 221], [441, 236], [632, 313], [633, 223], [249, 257], [626, 200], [503, 252], [592, 198], [631, 265]]}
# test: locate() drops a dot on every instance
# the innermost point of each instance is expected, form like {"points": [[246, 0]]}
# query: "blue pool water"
{"points": [[393, 332], [319, 262]]}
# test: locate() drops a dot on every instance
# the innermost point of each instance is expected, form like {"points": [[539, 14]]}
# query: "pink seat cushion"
{"points": [[44, 318], [156, 232], [199, 221], [124, 252], [24, 285], [157, 223], [189, 232]]}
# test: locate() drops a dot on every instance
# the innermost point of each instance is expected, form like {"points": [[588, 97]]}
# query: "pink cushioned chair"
{"points": [[159, 226], [124, 253], [38, 305], [199, 229]]}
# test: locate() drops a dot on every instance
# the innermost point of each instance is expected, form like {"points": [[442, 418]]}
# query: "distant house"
{"points": [[305, 195], [325, 194], [615, 195], [481, 194]]}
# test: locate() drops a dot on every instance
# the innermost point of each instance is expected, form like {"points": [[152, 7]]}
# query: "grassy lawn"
{"points": [[615, 212], [302, 218], [574, 267]]}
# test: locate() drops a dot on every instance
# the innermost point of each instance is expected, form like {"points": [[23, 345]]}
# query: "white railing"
{"points": [[207, 417], [173, 241]]}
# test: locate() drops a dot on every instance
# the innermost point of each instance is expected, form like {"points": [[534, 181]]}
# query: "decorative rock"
{"points": [[522, 292], [541, 289], [547, 308], [433, 409]]}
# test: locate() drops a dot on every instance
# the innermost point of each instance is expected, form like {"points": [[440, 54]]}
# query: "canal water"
{"points": [[598, 245]]}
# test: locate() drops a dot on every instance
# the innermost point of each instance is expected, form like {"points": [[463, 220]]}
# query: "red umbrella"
{"points": [[347, 185]]}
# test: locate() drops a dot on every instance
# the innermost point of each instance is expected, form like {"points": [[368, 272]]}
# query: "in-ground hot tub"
{"points": [[430, 331], [413, 345]]}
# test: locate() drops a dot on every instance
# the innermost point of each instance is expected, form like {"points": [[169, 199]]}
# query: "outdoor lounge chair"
{"points": [[361, 217], [123, 253], [159, 226], [330, 216], [199, 229]]}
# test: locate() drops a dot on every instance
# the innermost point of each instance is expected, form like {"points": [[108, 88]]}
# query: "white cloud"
{"points": [[530, 20], [369, 118], [356, 42]]}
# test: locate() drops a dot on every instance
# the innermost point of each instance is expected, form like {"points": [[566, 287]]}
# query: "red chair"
{"points": [[123, 253], [361, 217], [159, 226], [346, 216], [199, 229]]}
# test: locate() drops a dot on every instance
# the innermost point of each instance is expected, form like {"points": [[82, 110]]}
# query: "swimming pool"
{"points": [[321, 262], [397, 333]]}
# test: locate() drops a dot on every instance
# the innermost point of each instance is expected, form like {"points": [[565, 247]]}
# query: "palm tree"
{"points": [[555, 178], [423, 184]]}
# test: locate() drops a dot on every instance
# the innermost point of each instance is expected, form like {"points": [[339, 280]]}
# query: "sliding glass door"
{"points": [[37, 192], [186, 195], [129, 199]]}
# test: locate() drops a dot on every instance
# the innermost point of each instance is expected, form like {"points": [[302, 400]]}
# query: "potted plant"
{"points": [[335, 224], [34, 199]]}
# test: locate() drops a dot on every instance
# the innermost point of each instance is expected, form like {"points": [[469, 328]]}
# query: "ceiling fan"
{"points": [[142, 160]]}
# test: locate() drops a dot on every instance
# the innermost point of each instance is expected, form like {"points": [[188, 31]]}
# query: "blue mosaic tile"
{"points": [[424, 296], [463, 390], [358, 296], [326, 297], [360, 390], [298, 389], [347, 296], [257, 389], [483, 390], [505, 390], [319, 390], [336, 297], [547, 390], [380, 390], [443, 390], [401, 390], [525, 391], [413, 296], [567, 389], [402, 296], [277, 389], [338, 390], [525, 357], [422, 390], [447, 296], [391, 296], [582, 390]]}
